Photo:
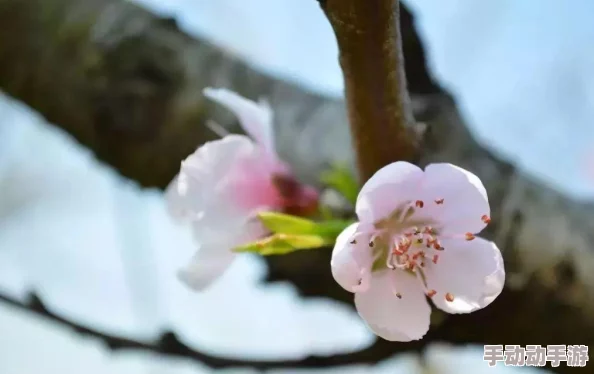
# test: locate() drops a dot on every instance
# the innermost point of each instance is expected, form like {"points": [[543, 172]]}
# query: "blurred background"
{"points": [[97, 251]]}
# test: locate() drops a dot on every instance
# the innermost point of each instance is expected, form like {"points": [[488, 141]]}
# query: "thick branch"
{"points": [[128, 85], [380, 114]]}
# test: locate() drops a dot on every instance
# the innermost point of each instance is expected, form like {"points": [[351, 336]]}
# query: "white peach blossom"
{"points": [[415, 239]]}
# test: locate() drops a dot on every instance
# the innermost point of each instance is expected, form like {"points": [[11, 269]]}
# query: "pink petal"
{"points": [[223, 179], [471, 271], [464, 197], [255, 118], [392, 318], [389, 188], [351, 263]]}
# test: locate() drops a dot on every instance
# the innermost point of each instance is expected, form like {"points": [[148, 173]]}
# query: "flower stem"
{"points": [[380, 114]]}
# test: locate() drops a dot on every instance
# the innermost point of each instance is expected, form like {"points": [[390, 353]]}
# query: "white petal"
{"points": [[351, 263], [387, 190], [176, 203], [472, 271], [464, 199], [205, 266], [215, 253], [255, 118], [392, 318], [197, 191]]}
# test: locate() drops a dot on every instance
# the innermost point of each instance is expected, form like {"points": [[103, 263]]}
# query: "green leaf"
{"points": [[280, 223], [280, 244], [341, 179]]}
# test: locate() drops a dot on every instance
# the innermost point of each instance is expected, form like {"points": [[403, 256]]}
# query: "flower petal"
{"points": [[176, 202], [392, 318], [351, 263], [205, 266], [215, 251], [389, 188], [255, 118], [222, 179], [464, 199], [471, 271]]}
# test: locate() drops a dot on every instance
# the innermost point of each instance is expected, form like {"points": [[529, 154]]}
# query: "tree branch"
{"points": [[380, 115], [128, 85]]}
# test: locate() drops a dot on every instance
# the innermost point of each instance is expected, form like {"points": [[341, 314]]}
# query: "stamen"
{"points": [[429, 230], [390, 261], [419, 203], [469, 236], [435, 258], [486, 219], [356, 235], [439, 201], [449, 297], [374, 236], [363, 281], [431, 293]]}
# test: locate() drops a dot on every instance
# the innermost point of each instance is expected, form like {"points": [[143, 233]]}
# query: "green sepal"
{"points": [[280, 244], [280, 223]]}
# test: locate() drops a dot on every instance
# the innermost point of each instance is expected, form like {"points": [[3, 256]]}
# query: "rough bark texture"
{"points": [[128, 85], [372, 62]]}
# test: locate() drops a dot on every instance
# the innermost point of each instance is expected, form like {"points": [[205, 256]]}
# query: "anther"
{"points": [[449, 297], [354, 241], [371, 244], [397, 251], [431, 293], [439, 201], [486, 219], [437, 246], [399, 295], [469, 236], [419, 203], [435, 258]]}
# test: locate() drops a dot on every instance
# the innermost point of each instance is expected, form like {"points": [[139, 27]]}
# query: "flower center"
{"points": [[403, 242]]}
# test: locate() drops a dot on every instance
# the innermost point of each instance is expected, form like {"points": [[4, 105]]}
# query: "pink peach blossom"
{"points": [[415, 239], [226, 182]]}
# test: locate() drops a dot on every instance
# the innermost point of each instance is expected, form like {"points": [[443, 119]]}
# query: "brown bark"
{"points": [[128, 85], [372, 62]]}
